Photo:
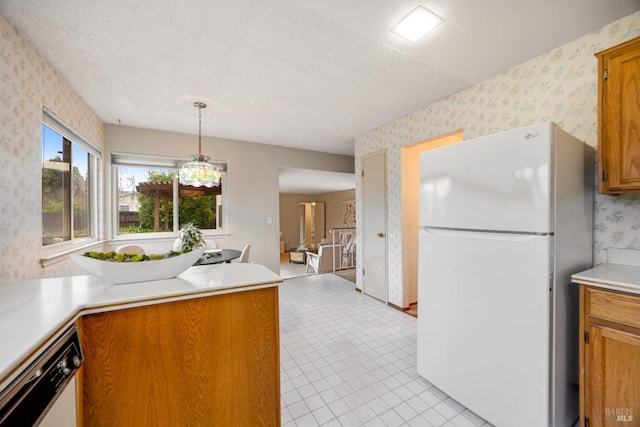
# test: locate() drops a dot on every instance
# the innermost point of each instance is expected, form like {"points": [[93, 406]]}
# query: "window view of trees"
{"points": [[65, 189], [146, 200]]}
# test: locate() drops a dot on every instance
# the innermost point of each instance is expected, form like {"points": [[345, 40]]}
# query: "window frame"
{"points": [[57, 125], [119, 159]]}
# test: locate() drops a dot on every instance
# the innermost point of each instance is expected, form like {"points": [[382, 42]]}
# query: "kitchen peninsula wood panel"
{"points": [[619, 118], [609, 358], [205, 361]]}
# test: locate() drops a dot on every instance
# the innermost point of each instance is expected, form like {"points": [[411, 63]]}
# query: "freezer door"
{"points": [[497, 182], [483, 322]]}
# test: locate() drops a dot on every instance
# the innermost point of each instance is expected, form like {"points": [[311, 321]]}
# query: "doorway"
{"points": [[410, 187], [374, 227], [312, 223]]}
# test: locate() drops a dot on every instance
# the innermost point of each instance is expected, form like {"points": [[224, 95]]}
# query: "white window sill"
{"points": [[56, 254], [156, 237]]}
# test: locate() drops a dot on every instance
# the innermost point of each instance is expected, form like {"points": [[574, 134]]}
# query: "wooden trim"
{"points": [[601, 165], [581, 356], [79, 380], [397, 307]]}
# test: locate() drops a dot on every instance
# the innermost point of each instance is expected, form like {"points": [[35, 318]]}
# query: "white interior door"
{"points": [[374, 209]]}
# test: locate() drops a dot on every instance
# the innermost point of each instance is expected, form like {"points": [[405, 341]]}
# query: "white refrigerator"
{"points": [[504, 221]]}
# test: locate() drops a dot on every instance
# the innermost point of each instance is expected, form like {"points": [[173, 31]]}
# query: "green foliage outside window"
{"points": [[198, 210]]}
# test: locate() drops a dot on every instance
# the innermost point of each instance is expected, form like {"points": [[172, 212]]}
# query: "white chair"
{"points": [[323, 261], [244, 256], [130, 249]]}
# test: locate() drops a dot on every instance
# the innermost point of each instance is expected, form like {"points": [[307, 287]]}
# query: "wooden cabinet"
{"points": [[619, 118], [210, 361], [609, 358]]}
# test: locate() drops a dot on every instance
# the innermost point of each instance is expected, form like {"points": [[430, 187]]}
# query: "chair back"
{"points": [[327, 256], [244, 256]]}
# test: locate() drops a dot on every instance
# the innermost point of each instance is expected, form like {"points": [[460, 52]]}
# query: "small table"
{"points": [[225, 256], [299, 256]]}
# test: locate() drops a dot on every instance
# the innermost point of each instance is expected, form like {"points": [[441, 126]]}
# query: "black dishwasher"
{"points": [[28, 398]]}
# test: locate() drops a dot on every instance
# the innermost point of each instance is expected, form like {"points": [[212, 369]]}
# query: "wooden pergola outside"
{"points": [[162, 192]]}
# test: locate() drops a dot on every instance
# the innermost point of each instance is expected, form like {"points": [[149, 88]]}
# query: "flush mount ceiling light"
{"points": [[417, 23], [198, 172]]}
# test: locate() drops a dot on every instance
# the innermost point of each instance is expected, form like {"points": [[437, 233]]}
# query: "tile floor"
{"points": [[349, 360], [289, 270], [292, 269]]}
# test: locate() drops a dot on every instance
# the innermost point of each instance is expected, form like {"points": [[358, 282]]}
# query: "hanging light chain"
{"points": [[199, 172], [199, 106]]}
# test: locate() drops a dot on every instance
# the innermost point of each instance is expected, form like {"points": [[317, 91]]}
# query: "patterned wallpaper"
{"points": [[559, 86], [27, 84]]}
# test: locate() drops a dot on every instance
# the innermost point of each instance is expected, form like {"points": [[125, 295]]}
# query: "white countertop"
{"points": [[618, 277], [34, 312], [621, 273]]}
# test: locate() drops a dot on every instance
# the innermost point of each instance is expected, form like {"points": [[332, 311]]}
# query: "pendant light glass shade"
{"points": [[198, 172]]}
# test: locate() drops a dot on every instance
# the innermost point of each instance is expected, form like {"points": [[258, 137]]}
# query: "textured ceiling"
{"points": [[295, 73]]}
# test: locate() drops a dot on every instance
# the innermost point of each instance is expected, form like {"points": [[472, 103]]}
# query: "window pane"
{"points": [[145, 199], [67, 185], [80, 181], [56, 197], [201, 206], [196, 208]]}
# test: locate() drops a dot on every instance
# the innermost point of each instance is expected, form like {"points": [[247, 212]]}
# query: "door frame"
{"points": [[410, 195], [385, 231]]}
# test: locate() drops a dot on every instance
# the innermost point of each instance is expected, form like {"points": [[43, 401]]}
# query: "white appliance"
{"points": [[505, 220]]}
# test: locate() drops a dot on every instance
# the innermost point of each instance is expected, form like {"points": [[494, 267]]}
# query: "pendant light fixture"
{"points": [[198, 172]]}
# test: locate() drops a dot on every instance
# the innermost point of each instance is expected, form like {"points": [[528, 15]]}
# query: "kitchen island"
{"points": [[201, 348]]}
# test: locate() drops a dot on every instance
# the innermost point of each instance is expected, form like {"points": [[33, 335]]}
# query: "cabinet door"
{"points": [[612, 377], [211, 361], [619, 118]]}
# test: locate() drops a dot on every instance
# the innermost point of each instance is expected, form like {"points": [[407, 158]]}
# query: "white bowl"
{"points": [[128, 272]]}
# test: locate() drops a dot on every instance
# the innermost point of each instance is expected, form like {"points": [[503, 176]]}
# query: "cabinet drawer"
{"points": [[614, 306]]}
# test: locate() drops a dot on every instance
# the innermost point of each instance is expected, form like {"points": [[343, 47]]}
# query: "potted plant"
{"points": [[189, 238]]}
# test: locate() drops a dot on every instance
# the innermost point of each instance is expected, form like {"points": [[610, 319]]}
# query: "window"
{"points": [[151, 200], [68, 185]]}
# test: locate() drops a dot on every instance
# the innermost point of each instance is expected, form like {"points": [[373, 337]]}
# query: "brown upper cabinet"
{"points": [[619, 118]]}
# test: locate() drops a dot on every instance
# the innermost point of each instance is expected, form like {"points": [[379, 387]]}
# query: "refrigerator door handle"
{"points": [[484, 234]]}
